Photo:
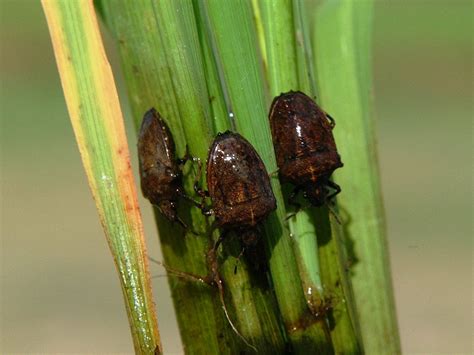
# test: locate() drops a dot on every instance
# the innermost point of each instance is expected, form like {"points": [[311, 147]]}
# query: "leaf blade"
{"points": [[342, 33], [96, 117]]}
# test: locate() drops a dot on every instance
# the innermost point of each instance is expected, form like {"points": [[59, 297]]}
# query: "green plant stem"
{"points": [[282, 70], [341, 43], [217, 95], [304, 53], [338, 294]]}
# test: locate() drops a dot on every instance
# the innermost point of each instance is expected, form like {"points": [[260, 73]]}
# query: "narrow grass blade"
{"points": [[218, 98], [304, 54], [96, 117], [277, 25], [283, 70], [341, 45], [338, 295]]}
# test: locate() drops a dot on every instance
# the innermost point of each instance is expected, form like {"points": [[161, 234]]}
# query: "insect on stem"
{"points": [[305, 148], [160, 170]]}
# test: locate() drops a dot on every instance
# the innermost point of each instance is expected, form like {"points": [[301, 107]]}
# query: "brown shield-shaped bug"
{"points": [[241, 196], [304, 146], [160, 173], [238, 185]]}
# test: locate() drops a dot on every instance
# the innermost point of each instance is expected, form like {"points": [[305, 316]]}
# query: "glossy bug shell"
{"points": [[238, 183], [302, 137], [159, 171]]}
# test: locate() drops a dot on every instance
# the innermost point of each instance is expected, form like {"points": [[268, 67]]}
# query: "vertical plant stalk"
{"points": [[218, 98], [342, 37], [94, 110], [282, 70], [338, 295], [304, 53]]}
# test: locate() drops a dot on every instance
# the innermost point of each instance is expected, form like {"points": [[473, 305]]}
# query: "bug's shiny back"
{"points": [[238, 182], [159, 171], [302, 137]]}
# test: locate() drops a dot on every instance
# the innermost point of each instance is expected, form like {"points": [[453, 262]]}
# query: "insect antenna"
{"points": [[238, 260], [181, 274], [212, 260], [333, 212], [208, 280], [234, 328]]}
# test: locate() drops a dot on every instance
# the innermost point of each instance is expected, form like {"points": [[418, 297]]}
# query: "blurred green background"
{"points": [[59, 292]]}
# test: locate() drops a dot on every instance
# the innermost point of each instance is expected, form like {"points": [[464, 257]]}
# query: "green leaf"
{"points": [[342, 56], [97, 120]]}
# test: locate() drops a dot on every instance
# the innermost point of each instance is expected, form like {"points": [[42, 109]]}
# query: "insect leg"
{"points": [[335, 186], [181, 274], [331, 120], [238, 259], [187, 156], [190, 199], [181, 222], [292, 198], [292, 201], [217, 280], [202, 193], [274, 173], [337, 189]]}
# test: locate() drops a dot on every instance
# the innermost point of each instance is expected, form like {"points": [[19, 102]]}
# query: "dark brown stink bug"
{"points": [[238, 185], [304, 146], [160, 174]]}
